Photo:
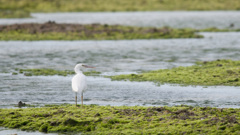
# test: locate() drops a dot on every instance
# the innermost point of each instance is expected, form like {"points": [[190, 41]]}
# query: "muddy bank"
{"points": [[52, 26], [54, 31]]}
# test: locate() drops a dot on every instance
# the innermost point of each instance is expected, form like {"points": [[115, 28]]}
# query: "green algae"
{"points": [[50, 72], [214, 29], [219, 72], [115, 5], [93, 119]]}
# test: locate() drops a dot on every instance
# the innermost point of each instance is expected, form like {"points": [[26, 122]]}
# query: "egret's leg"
{"points": [[76, 98], [82, 99]]}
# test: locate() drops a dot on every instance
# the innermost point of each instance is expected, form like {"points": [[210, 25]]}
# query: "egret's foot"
{"points": [[78, 106]]}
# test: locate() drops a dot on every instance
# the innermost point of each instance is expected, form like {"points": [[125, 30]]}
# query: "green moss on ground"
{"points": [[219, 72], [55, 31], [49, 72], [93, 119]]}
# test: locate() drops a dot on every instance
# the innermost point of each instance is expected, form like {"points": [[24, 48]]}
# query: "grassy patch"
{"points": [[49, 72], [93, 119], [219, 72], [54, 31], [22, 8], [14, 14], [118, 5]]}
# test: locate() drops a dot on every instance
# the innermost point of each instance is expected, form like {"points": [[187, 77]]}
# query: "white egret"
{"points": [[79, 81]]}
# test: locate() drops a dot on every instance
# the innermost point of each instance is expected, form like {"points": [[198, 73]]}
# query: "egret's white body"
{"points": [[79, 84]]}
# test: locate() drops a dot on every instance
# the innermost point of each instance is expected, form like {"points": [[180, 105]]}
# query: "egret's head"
{"points": [[78, 68]]}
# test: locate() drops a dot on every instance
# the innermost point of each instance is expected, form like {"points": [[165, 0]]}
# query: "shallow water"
{"points": [[122, 55], [177, 19], [115, 57], [102, 91]]}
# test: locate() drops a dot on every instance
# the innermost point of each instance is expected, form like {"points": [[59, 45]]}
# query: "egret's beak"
{"points": [[86, 66]]}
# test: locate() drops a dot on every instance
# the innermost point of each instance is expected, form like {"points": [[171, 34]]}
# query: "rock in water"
{"points": [[20, 104]]}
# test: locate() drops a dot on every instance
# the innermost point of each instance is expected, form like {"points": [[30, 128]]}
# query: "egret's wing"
{"points": [[79, 83]]}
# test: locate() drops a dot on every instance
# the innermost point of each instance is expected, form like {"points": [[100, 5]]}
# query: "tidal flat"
{"points": [[207, 73], [48, 72], [94, 119], [63, 31], [54, 31]]}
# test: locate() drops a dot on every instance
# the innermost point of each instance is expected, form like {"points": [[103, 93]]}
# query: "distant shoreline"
{"points": [[23, 8]]}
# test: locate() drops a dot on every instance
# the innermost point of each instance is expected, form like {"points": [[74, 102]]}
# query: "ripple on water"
{"points": [[115, 57], [178, 19], [119, 56], [103, 91]]}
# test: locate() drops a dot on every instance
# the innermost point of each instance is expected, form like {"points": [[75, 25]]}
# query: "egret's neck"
{"points": [[77, 71]]}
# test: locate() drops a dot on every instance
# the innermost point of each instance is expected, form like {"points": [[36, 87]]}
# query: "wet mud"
{"points": [[52, 26]]}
